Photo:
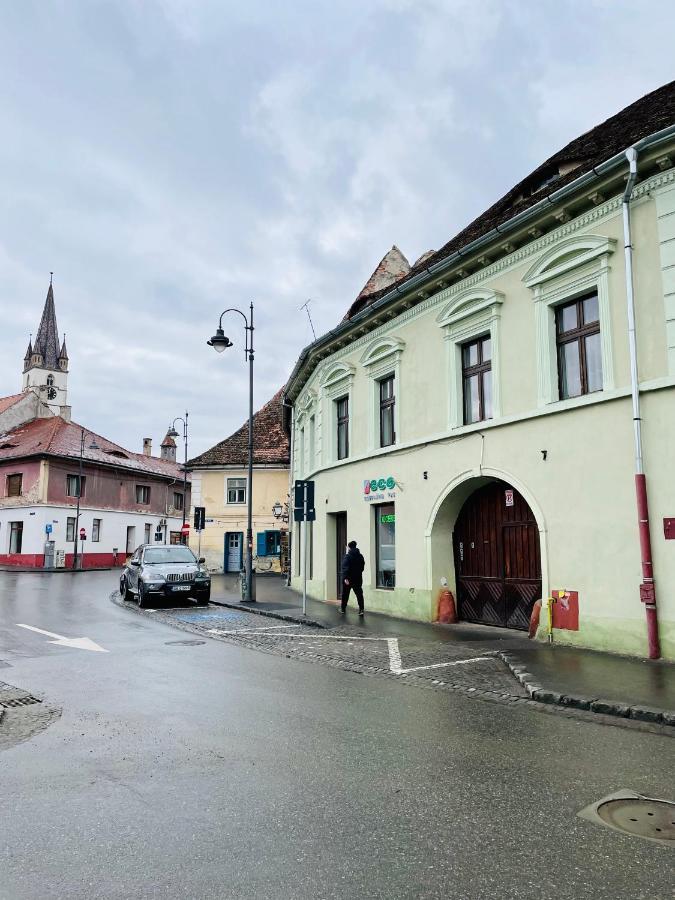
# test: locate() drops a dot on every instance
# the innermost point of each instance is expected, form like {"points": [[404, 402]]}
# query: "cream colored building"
{"points": [[471, 418], [220, 485]]}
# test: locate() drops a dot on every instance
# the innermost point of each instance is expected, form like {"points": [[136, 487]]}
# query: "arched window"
{"points": [[50, 380]]}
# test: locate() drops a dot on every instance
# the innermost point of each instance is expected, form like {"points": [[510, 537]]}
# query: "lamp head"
{"points": [[94, 445], [172, 433], [219, 341], [277, 510]]}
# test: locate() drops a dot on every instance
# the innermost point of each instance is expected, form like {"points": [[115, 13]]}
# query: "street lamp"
{"points": [[220, 342], [280, 511], [172, 433], [92, 446]]}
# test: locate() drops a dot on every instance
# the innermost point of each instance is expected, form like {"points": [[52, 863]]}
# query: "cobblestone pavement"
{"points": [[22, 716]]}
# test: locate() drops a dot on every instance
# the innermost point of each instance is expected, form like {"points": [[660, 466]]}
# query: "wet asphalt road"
{"points": [[212, 770]]}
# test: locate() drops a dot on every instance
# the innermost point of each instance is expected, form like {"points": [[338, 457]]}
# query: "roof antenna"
{"points": [[311, 324]]}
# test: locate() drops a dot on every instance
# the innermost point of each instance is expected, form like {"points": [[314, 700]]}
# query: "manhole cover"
{"points": [[185, 643], [15, 702], [634, 814]]}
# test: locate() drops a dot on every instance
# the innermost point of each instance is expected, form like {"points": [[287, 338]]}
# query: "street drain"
{"points": [[19, 701], [185, 643], [634, 814]]}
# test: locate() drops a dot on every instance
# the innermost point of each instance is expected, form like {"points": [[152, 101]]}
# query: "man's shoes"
{"points": [[361, 613], [341, 611]]}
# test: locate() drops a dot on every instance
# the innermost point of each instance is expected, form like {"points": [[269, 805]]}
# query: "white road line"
{"points": [[395, 664], [82, 643], [252, 630]]}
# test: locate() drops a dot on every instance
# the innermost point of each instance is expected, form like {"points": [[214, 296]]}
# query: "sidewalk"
{"points": [[585, 679]]}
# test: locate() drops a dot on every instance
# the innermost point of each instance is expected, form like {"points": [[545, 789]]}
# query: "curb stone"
{"points": [[600, 706]]}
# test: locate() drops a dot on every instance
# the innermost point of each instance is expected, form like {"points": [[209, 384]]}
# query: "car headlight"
{"points": [[152, 576], [202, 576]]}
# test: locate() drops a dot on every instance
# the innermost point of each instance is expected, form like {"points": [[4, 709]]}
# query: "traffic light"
{"points": [[200, 518]]}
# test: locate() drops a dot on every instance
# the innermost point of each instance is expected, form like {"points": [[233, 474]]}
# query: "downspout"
{"points": [[647, 588]]}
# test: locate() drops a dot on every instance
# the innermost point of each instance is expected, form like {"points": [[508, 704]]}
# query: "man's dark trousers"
{"points": [[358, 590]]}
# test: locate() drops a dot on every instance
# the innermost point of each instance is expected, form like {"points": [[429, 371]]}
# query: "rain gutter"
{"points": [[517, 221]]}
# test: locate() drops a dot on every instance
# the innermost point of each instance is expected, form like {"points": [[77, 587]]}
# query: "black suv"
{"points": [[167, 572]]}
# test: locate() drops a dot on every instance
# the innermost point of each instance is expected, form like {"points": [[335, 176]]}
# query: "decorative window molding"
{"points": [[574, 266], [470, 314], [336, 380], [382, 357]]}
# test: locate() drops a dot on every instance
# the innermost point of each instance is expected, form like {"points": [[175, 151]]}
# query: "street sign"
{"points": [[200, 518], [48, 528], [83, 534], [303, 502], [185, 529]]}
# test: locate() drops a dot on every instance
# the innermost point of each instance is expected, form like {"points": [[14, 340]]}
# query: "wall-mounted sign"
{"points": [[388, 520], [508, 496], [379, 489]]}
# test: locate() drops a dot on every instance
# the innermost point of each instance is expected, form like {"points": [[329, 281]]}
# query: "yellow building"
{"points": [[220, 485]]}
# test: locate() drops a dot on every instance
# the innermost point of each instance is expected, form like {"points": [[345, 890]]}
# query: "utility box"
{"points": [[60, 559], [50, 554]]}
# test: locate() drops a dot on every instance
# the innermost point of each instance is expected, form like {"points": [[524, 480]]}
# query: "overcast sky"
{"points": [[170, 158]]}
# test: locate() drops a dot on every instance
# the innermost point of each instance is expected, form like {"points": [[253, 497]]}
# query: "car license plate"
{"points": [[181, 587]]}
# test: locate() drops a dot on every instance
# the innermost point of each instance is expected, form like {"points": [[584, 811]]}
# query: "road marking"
{"points": [[82, 643], [252, 630], [395, 663]]}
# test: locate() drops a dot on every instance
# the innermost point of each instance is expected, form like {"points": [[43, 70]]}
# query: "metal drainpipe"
{"points": [[647, 588]]}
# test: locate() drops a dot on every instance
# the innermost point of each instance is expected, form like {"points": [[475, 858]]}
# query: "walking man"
{"points": [[352, 576]]}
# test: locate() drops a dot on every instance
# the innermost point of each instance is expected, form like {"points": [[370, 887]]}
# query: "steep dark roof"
{"points": [[646, 116], [54, 436], [270, 441], [47, 338]]}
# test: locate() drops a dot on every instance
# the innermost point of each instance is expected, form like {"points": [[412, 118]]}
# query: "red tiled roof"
{"points": [[6, 402], [646, 116], [54, 436], [270, 441]]}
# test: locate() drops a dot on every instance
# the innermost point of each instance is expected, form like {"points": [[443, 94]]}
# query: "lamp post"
{"points": [[220, 342], [92, 446], [172, 433]]}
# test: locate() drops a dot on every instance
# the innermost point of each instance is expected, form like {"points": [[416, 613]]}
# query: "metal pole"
{"points": [[304, 555], [185, 441], [249, 525], [79, 492]]}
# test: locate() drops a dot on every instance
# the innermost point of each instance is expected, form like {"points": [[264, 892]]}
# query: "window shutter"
{"points": [[262, 539]]}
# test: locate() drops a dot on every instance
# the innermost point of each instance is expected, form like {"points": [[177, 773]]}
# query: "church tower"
{"points": [[45, 365]]}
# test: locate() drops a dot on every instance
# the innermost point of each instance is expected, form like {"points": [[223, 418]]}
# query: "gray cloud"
{"points": [[171, 158]]}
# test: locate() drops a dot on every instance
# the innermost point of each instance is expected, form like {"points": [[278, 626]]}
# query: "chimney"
{"points": [[147, 446]]}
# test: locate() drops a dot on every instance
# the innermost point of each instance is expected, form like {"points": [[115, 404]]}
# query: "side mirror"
{"points": [[201, 560], [135, 563]]}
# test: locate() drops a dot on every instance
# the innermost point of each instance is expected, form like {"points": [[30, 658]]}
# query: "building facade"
{"points": [[220, 485], [471, 420], [126, 498]]}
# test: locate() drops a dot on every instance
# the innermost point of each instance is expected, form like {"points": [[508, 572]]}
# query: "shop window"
{"points": [[142, 494], [579, 348], [236, 490], [70, 528], [15, 537], [342, 412], [175, 537], [14, 485], [73, 486], [387, 406], [96, 530], [477, 380], [385, 542]]}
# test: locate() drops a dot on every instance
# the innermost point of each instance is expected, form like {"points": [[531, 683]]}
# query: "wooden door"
{"points": [[340, 550], [497, 558]]}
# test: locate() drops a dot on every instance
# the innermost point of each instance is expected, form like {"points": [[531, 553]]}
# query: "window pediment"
{"points": [[468, 303], [382, 349], [335, 373], [568, 254]]}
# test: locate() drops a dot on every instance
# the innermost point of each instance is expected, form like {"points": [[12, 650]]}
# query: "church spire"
{"points": [[47, 338]]}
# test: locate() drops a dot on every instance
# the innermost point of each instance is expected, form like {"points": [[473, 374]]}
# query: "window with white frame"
{"points": [[336, 381], [236, 490], [142, 494], [70, 528], [471, 325], [570, 284], [382, 362]]}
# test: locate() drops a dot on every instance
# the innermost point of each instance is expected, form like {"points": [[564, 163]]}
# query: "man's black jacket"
{"points": [[353, 565]]}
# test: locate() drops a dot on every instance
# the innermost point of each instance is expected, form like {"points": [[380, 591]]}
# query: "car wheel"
{"points": [[127, 596], [142, 597]]}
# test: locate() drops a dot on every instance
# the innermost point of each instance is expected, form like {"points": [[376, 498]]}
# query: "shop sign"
{"points": [[388, 520], [508, 494], [379, 489]]}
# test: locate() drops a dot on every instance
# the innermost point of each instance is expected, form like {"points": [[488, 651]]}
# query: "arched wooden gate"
{"points": [[497, 558]]}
